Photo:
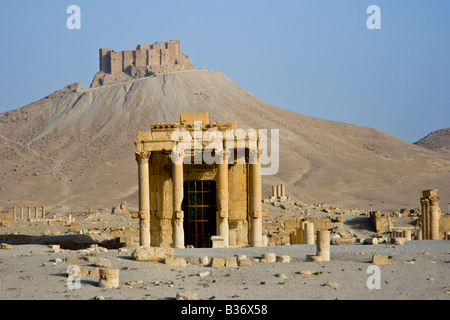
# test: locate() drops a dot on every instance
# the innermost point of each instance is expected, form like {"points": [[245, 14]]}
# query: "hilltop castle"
{"points": [[144, 60]]}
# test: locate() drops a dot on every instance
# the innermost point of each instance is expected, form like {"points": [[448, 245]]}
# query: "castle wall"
{"points": [[157, 54]]}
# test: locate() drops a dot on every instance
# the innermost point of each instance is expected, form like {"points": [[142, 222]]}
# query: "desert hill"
{"points": [[438, 140], [74, 150]]}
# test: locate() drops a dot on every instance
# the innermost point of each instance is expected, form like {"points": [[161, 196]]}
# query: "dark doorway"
{"points": [[199, 207]]}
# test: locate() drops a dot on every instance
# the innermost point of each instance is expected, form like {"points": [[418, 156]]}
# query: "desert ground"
{"points": [[416, 270]]}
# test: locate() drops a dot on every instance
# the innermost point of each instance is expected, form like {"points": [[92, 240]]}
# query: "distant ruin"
{"points": [[143, 61]]}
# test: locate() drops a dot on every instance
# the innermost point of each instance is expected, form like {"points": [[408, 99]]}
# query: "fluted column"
{"points": [[255, 201], [144, 198], [435, 215], [222, 194], [177, 180]]}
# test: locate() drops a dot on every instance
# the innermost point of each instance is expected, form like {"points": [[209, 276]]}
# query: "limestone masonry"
{"points": [[143, 61]]}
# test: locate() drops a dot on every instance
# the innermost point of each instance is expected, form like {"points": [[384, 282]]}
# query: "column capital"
{"points": [[142, 156], [434, 200]]}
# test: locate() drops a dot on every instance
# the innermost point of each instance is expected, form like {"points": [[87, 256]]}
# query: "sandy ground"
{"points": [[418, 270]]}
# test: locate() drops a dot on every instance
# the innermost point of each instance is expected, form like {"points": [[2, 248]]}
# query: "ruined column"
{"points": [[407, 235], [14, 212], [309, 233], [430, 214], [283, 191], [177, 180], [109, 278], [222, 195], [323, 245], [144, 198], [435, 216], [279, 191], [255, 200], [21, 212], [274, 191]]}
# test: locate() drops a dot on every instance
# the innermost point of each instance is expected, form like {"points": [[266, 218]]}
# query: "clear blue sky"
{"points": [[314, 57]]}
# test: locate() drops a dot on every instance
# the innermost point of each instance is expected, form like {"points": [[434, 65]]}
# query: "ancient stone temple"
{"points": [[198, 180]]}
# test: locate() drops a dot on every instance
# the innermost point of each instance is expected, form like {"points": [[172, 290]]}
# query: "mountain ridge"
{"points": [[75, 150]]}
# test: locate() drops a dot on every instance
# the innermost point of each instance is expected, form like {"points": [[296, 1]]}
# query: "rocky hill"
{"points": [[438, 140], [74, 150]]}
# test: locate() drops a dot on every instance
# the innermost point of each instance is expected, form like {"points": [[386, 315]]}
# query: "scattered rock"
{"points": [[204, 274], [231, 262], [217, 263], [244, 262], [103, 263], [332, 285], [269, 257], [152, 254], [187, 296], [379, 259], [283, 258], [175, 262], [281, 276], [6, 246]]}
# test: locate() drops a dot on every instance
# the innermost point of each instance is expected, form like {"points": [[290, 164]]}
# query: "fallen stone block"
{"points": [[217, 263], [283, 258], [269, 257], [152, 254], [371, 241], [231, 262], [244, 263], [175, 262], [5, 246], [102, 263], [379, 259]]}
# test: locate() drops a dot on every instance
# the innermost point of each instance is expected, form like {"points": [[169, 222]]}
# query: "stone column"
{"points": [[424, 204], [144, 198], [177, 180], [407, 235], [283, 191], [309, 233], [255, 201], [323, 245], [274, 191], [222, 197], [279, 191], [435, 216], [14, 213], [109, 278]]}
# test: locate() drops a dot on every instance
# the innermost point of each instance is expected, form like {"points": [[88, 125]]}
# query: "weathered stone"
{"points": [[398, 241], [269, 257], [187, 296], [244, 262], [102, 263], [332, 284], [204, 274], [152, 254], [217, 263], [281, 276], [204, 260], [371, 241], [175, 262], [379, 259], [343, 241], [6, 246], [231, 262], [306, 272], [109, 278], [283, 258]]}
